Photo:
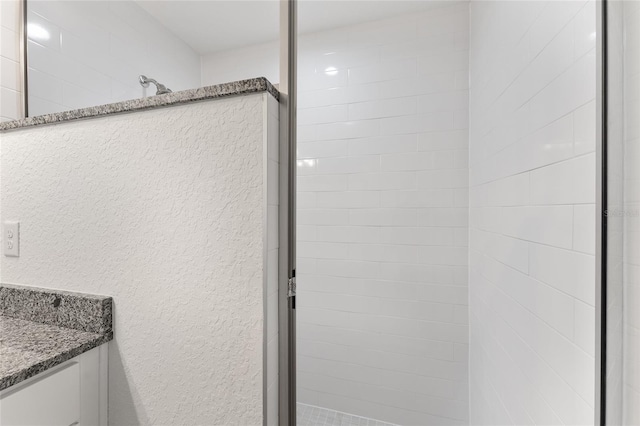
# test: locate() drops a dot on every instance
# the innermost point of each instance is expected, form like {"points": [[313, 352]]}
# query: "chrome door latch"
{"points": [[292, 287]]}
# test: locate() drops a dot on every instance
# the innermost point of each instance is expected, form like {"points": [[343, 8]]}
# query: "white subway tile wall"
{"points": [[10, 69], [532, 215], [383, 203], [87, 53]]}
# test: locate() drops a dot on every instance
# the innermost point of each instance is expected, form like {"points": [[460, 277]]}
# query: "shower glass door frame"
{"points": [[287, 220], [601, 218]]}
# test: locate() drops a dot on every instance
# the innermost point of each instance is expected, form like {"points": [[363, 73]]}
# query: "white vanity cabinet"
{"points": [[72, 393]]}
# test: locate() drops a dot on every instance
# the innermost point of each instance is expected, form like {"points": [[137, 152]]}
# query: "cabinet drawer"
{"points": [[52, 400]]}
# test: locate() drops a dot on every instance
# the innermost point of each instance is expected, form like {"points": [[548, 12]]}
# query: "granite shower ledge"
{"points": [[42, 328], [236, 88]]}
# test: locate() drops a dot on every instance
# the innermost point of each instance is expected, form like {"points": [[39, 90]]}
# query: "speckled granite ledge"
{"points": [[41, 328], [236, 88]]}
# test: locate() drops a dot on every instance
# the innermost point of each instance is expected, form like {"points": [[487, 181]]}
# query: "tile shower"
{"points": [[382, 218]]}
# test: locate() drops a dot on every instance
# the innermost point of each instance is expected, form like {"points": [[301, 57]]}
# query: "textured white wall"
{"points": [[95, 52], [10, 72], [532, 226], [163, 210]]}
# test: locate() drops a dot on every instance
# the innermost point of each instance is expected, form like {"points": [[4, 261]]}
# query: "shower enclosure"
{"points": [[446, 214]]}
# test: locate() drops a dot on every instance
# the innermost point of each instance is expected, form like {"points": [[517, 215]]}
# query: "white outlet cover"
{"points": [[11, 239]]}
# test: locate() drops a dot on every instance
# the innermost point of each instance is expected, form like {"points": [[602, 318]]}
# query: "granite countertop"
{"points": [[236, 88], [42, 328]]}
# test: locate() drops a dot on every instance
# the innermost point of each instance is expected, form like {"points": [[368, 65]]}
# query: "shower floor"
{"points": [[309, 415]]}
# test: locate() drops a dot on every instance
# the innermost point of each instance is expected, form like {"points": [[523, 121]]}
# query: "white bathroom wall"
{"points": [[615, 213], [95, 52], [382, 213], [171, 211], [623, 213], [241, 63], [532, 216], [10, 70], [631, 372]]}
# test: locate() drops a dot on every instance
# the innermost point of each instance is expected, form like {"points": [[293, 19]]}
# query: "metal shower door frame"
{"points": [[287, 219], [601, 217]]}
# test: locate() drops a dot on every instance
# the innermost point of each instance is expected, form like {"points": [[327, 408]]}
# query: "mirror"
{"points": [[95, 52]]}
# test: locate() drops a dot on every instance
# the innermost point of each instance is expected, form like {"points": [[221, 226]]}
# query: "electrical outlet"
{"points": [[11, 239]]}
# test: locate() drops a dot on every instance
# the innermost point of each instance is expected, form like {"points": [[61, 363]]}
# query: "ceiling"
{"points": [[213, 25]]}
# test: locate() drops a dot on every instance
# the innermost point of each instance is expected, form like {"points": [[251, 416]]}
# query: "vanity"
{"points": [[53, 357]]}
